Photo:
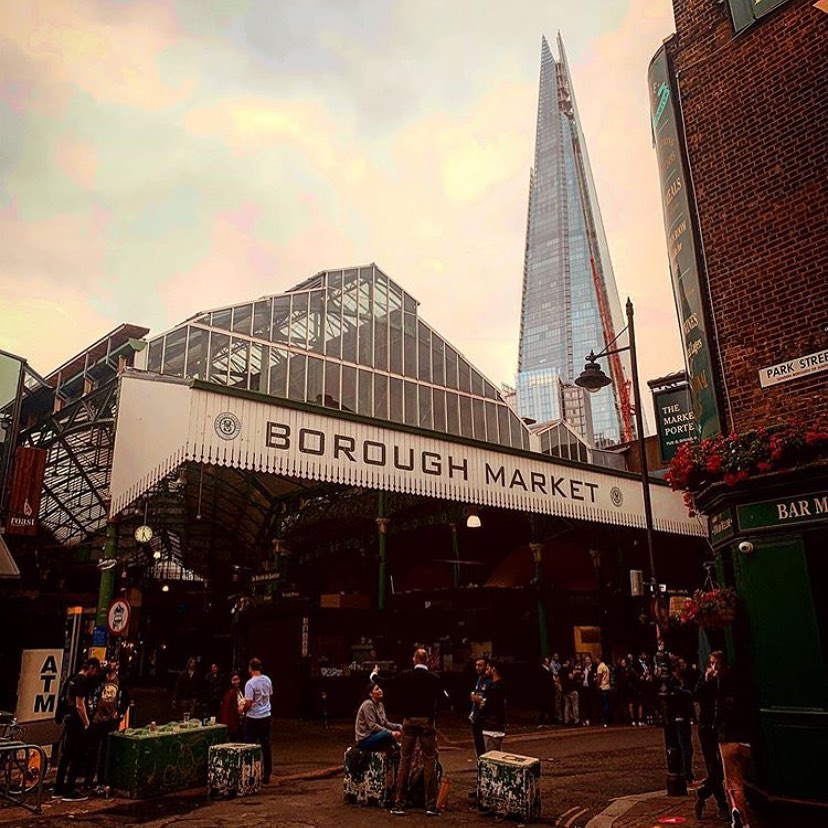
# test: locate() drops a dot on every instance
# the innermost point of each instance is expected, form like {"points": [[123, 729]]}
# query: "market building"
{"points": [[321, 478], [739, 98]]}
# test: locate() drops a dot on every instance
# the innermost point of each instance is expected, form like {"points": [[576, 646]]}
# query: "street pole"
{"points": [[543, 631], [106, 590], [382, 528], [676, 782]]}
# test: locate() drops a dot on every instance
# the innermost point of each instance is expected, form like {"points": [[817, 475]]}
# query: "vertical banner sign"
{"points": [[682, 246], [674, 419], [39, 685], [27, 483]]}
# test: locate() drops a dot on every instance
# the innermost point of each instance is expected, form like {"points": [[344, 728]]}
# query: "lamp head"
{"points": [[592, 378]]}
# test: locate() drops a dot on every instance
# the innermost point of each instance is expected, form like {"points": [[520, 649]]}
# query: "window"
{"points": [[297, 366], [174, 353], [242, 318]]}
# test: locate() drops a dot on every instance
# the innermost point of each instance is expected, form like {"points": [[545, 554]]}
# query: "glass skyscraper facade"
{"points": [[566, 265]]}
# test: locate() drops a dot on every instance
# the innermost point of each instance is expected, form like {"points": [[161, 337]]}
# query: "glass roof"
{"points": [[347, 339]]}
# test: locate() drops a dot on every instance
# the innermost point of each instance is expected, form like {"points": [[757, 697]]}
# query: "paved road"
{"points": [[582, 770]]}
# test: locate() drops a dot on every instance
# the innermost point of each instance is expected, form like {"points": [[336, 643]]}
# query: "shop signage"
{"points": [[277, 438], [793, 368], [117, 617], [682, 246], [784, 511], [39, 685], [27, 483], [674, 419], [722, 527], [746, 12]]}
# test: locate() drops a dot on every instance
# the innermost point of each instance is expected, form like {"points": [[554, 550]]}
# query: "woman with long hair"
{"points": [[231, 711]]}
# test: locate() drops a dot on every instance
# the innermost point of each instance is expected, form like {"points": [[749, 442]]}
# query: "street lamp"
{"points": [[593, 379]]}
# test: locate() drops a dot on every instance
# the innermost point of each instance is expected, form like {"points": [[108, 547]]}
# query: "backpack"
{"points": [[64, 706]]}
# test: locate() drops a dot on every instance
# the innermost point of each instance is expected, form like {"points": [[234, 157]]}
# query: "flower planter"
{"points": [[717, 620]]}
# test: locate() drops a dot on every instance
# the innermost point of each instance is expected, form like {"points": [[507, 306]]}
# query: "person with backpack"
{"points": [[73, 711], [109, 704]]}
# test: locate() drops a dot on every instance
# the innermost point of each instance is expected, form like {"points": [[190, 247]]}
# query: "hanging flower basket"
{"points": [[713, 608]]}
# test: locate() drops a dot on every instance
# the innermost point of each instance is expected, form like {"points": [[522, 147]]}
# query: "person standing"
{"points": [[476, 697], [416, 693], [231, 711], [75, 754], [213, 690], [555, 668], [588, 692], [493, 710], [372, 729], [713, 784], [571, 678], [546, 693], [110, 702], [257, 694], [603, 689], [187, 693]]}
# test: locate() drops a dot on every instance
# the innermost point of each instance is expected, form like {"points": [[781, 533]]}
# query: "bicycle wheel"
{"points": [[26, 768]]}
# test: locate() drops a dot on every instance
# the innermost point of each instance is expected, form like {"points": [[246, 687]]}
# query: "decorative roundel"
{"points": [[227, 426], [616, 496]]}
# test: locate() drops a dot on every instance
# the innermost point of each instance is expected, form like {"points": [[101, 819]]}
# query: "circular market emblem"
{"points": [[616, 496], [227, 426]]}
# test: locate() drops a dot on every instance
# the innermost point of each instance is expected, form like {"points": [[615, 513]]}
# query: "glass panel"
{"points": [[381, 343], [438, 373], [439, 410], [452, 414], [503, 425], [297, 367], [409, 305], [239, 355], [349, 375], [479, 415], [197, 354], [366, 319], [333, 317], [332, 392], [221, 319], [219, 357], [395, 388], [366, 394], [464, 376], [278, 372], [381, 396], [410, 408], [380, 295], [261, 319], [174, 353], [315, 367], [395, 345], [350, 315], [466, 425], [426, 419], [299, 320], [477, 383], [154, 357], [451, 367], [394, 297], [409, 345], [242, 319], [491, 422], [490, 391], [424, 349], [316, 322], [334, 281], [281, 315], [258, 359]]}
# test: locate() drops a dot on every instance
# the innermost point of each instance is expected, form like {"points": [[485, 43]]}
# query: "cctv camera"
{"points": [[746, 547]]}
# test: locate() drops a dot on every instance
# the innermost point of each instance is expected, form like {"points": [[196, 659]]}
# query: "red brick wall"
{"points": [[756, 120]]}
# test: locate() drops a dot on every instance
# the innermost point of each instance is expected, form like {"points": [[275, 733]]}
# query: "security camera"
{"points": [[746, 547]]}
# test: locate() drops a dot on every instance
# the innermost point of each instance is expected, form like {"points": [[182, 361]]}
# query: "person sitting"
{"points": [[372, 730]]}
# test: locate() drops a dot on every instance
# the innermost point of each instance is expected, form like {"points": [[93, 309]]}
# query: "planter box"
{"points": [[234, 769], [509, 784]]}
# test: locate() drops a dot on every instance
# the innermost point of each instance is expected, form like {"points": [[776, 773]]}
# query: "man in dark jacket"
{"points": [[109, 704], [706, 694], [493, 710], [188, 690], [481, 667], [415, 694]]}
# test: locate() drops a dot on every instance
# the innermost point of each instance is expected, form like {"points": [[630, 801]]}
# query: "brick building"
{"points": [[739, 105]]}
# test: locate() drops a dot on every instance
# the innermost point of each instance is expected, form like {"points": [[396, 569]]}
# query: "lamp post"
{"points": [[593, 379]]}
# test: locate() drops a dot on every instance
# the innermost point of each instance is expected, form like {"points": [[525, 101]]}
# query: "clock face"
{"points": [[143, 534]]}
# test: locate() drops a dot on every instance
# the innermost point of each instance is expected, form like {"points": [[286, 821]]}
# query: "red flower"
{"points": [[713, 464]]}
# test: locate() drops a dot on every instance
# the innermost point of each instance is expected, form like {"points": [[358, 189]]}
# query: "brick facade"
{"points": [[756, 121]]}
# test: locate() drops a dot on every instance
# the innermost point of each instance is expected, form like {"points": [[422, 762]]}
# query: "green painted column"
{"points": [[106, 590], [455, 551], [382, 529], [543, 626]]}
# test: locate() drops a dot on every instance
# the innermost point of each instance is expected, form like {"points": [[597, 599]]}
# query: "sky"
{"points": [[160, 157]]}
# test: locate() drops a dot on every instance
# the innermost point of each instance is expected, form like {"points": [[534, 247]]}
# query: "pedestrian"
{"points": [[546, 693], [603, 688], [372, 729], [680, 700], [214, 686], [588, 699], [482, 681], [257, 694], [416, 693], [188, 690], [557, 705], [231, 712], [109, 705], [75, 755], [571, 680], [705, 695], [645, 689], [493, 709]]}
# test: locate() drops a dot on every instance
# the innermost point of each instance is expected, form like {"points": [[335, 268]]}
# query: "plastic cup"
{"points": [[212, 720], [186, 716]]}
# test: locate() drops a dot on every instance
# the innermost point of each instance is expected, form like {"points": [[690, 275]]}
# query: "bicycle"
{"points": [[22, 766]]}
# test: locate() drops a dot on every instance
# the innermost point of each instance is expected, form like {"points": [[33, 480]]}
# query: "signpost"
{"points": [[39, 685], [117, 617]]}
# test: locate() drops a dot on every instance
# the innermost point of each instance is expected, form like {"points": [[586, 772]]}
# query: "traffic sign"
{"points": [[117, 617]]}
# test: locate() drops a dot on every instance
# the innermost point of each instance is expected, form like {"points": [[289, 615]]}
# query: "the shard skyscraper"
{"points": [[570, 301]]}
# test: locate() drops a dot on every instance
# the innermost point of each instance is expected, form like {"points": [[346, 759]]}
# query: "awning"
{"points": [[8, 568]]}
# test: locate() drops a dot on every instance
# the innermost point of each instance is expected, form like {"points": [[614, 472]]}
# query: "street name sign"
{"points": [[793, 368]]}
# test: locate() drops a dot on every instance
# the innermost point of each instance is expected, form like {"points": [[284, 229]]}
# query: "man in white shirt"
{"points": [[257, 694]]}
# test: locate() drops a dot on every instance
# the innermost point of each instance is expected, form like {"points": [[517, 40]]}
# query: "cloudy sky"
{"points": [[163, 156]]}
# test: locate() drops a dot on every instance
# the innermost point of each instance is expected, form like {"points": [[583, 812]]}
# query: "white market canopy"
{"points": [[165, 422]]}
